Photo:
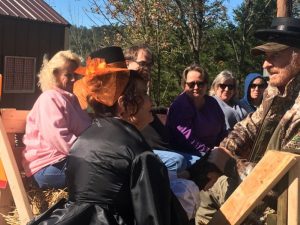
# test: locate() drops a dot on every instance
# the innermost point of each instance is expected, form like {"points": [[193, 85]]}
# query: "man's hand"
{"points": [[244, 168], [212, 178], [219, 156]]}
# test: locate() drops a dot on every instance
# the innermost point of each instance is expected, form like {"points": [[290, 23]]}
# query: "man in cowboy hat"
{"points": [[275, 124]]}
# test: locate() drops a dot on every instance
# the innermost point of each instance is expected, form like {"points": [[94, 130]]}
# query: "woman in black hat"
{"points": [[112, 174]]}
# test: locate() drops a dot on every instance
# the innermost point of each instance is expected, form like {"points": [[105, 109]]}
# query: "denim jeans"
{"points": [[52, 176], [176, 161]]}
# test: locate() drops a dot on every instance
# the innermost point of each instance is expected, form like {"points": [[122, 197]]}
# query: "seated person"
{"points": [[50, 128], [157, 136], [224, 89], [195, 120], [254, 87], [113, 175], [114, 57]]}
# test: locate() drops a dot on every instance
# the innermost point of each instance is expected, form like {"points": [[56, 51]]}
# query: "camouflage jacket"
{"points": [[251, 137]]}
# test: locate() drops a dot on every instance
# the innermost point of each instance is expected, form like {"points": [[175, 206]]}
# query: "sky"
{"points": [[76, 11]]}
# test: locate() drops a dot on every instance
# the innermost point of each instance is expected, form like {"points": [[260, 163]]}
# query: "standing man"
{"points": [[276, 123]]}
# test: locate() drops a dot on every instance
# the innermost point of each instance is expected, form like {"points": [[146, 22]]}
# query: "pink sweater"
{"points": [[52, 126]]}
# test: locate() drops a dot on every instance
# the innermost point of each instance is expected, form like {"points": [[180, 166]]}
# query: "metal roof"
{"points": [[37, 10]]}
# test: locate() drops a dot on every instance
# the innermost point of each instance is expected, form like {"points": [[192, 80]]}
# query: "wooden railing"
{"points": [[12, 122], [266, 174]]}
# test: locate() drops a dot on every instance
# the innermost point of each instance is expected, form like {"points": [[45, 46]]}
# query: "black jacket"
{"points": [[114, 178]]}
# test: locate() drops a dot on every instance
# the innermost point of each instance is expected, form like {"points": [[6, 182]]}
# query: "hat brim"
{"points": [[268, 48], [269, 34], [104, 71], [289, 38]]}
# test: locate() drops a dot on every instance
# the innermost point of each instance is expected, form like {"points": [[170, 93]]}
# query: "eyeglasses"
{"points": [[260, 86], [192, 84], [144, 63], [229, 86]]}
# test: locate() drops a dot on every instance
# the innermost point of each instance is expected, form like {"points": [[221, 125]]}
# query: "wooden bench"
{"points": [[13, 122]]}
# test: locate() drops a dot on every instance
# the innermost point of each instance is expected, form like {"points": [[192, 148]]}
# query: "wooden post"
{"points": [[284, 8], [294, 195], [265, 175], [282, 202], [14, 177]]}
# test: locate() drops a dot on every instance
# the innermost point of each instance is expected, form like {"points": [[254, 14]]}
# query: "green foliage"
{"points": [[180, 32], [83, 41]]}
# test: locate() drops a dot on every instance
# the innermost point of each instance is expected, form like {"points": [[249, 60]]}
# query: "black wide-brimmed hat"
{"points": [[284, 30], [112, 55], [105, 76], [284, 33]]}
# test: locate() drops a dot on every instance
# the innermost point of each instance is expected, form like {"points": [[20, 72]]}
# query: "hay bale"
{"points": [[40, 200]]}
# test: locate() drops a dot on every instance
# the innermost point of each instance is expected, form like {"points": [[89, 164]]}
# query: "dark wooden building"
{"points": [[28, 30]]}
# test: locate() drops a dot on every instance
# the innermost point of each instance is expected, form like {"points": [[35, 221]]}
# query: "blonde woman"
{"points": [[54, 123], [224, 89]]}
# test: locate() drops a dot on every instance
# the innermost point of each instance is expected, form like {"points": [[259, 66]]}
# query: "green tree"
{"points": [[249, 17], [173, 29], [179, 33]]}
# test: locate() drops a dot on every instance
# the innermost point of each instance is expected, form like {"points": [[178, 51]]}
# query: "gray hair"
{"points": [[221, 77]]}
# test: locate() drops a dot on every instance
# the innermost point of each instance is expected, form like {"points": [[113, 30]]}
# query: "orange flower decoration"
{"points": [[103, 82], [97, 67]]}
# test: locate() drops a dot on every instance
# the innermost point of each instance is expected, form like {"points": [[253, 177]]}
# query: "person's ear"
{"points": [[121, 109], [127, 62], [55, 71]]}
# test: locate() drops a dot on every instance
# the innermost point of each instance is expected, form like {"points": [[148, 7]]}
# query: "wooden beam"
{"points": [[14, 120], [282, 201], [284, 8], [265, 175], [294, 196], [14, 177]]}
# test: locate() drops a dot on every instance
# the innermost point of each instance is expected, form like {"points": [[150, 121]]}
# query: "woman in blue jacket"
{"points": [[255, 85]]}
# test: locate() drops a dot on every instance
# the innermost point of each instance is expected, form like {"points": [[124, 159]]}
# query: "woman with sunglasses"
{"points": [[254, 87], [195, 120], [224, 89]]}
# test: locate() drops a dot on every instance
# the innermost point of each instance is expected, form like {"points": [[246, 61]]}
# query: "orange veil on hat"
{"points": [[105, 77]]}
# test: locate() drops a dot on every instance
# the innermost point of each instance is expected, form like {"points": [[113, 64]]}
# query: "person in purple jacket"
{"points": [[195, 120]]}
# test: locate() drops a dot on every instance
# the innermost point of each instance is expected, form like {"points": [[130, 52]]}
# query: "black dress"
{"points": [[114, 178]]}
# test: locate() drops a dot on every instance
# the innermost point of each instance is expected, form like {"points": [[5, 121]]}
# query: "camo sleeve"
{"points": [[241, 139]]}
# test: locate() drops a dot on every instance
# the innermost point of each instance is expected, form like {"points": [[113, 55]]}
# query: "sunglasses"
{"points": [[260, 86], [229, 86], [192, 84]]}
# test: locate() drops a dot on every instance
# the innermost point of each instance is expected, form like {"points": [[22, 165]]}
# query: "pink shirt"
{"points": [[52, 126]]}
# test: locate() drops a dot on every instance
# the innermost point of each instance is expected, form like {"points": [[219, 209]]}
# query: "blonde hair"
{"points": [[221, 77], [47, 79]]}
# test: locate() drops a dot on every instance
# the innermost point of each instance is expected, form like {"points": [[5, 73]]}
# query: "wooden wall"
{"points": [[27, 38]]}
